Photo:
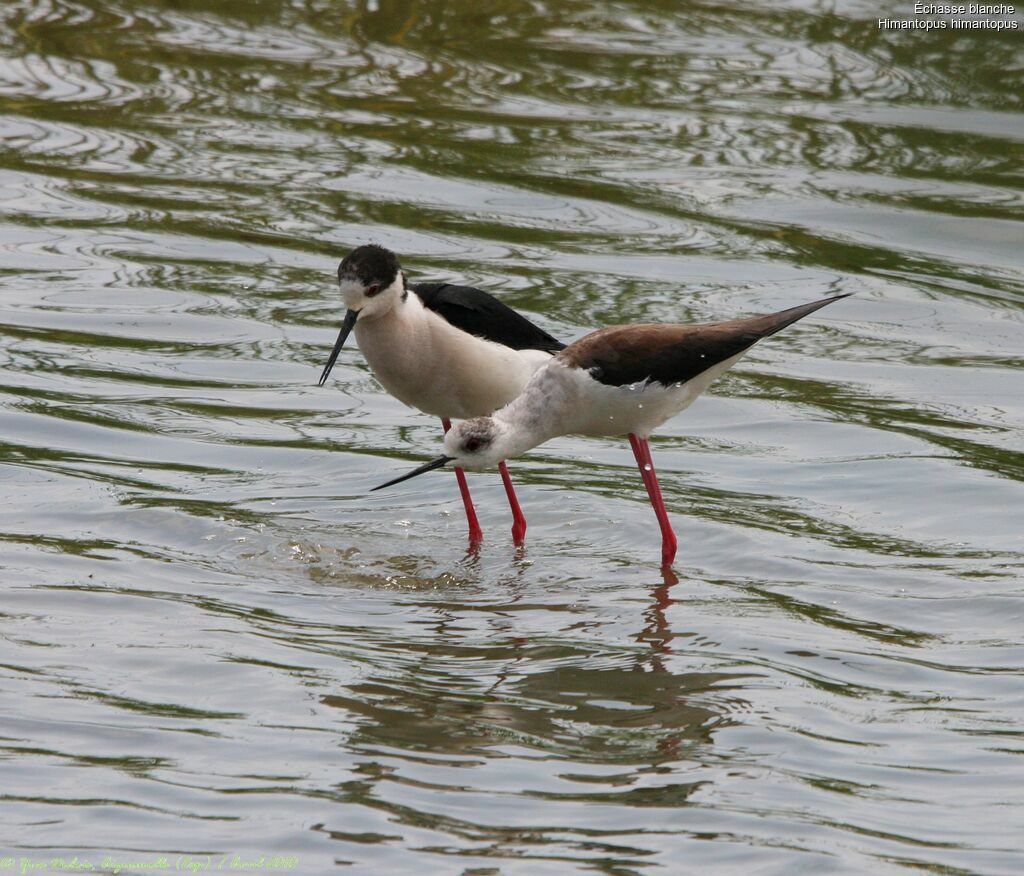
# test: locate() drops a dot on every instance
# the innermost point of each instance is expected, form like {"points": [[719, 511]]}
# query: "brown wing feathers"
{"points": [[627, 354]]}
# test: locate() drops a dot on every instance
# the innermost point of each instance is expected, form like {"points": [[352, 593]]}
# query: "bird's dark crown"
{"points": [[370, 264], [476, 435]]}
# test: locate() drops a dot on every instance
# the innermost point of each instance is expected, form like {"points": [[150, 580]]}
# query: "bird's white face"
{"points": [[475, 444], [373, 300]]}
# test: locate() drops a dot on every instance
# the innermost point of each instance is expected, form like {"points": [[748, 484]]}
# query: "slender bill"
{"points": [[429, 466], [346, 327]]}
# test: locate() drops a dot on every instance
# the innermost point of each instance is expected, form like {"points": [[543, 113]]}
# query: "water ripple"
{"points": [[214, 635]]}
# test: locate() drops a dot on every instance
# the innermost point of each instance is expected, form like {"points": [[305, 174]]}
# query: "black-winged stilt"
{"points": [[621, 380], [451, 351]]}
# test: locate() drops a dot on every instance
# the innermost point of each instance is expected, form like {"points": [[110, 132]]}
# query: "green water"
{"points": [[215, 642]]}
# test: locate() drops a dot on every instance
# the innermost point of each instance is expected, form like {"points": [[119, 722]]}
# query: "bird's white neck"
{"points": [[381, 327], [533, 417]]}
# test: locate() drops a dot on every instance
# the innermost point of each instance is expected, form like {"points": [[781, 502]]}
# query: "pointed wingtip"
{"points": [[776, 322], [821, 302]]}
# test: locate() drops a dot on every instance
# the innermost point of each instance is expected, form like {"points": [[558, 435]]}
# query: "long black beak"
{"points": [[346, 328], [429, 466]]}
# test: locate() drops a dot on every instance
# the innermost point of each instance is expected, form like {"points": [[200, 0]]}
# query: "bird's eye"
{"points": [[372, 290], [472, 445]]}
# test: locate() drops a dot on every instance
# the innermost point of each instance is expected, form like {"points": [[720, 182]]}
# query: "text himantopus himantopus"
{"points": [[451, 351], [621, 380]]}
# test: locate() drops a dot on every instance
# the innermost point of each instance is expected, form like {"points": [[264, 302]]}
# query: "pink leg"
{"points": [[518, 518], [642, 452], [476, 534]]}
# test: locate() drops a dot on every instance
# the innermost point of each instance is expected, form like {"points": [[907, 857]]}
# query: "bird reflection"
{"points": [[458, 693], [657, 632]]}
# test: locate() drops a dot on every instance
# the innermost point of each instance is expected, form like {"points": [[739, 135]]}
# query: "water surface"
{"points": [[217, 643]]}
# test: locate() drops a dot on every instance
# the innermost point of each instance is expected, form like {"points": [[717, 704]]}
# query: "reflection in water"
{"points": [[214, 635], [580, 711], [582, 726]]}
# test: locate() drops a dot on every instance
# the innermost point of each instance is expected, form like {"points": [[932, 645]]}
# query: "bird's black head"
{"points": [[371, 266]]}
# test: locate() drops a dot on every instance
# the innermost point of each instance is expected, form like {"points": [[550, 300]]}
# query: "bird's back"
{"points": [[632, 378], [668, 354], [484, 316]]}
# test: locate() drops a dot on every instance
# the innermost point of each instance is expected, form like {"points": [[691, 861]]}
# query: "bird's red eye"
{"points": [[372, 290]]}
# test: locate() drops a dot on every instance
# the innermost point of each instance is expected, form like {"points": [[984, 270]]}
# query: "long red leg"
{"points": [[642, 452], [476, 534], [518, 518]]}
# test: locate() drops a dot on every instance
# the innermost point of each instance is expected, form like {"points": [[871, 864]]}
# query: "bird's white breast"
{"points": [[429, 364]]}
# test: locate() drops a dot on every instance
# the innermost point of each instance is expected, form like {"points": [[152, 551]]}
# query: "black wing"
{"points": [[628, 354], [483, 315]]}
